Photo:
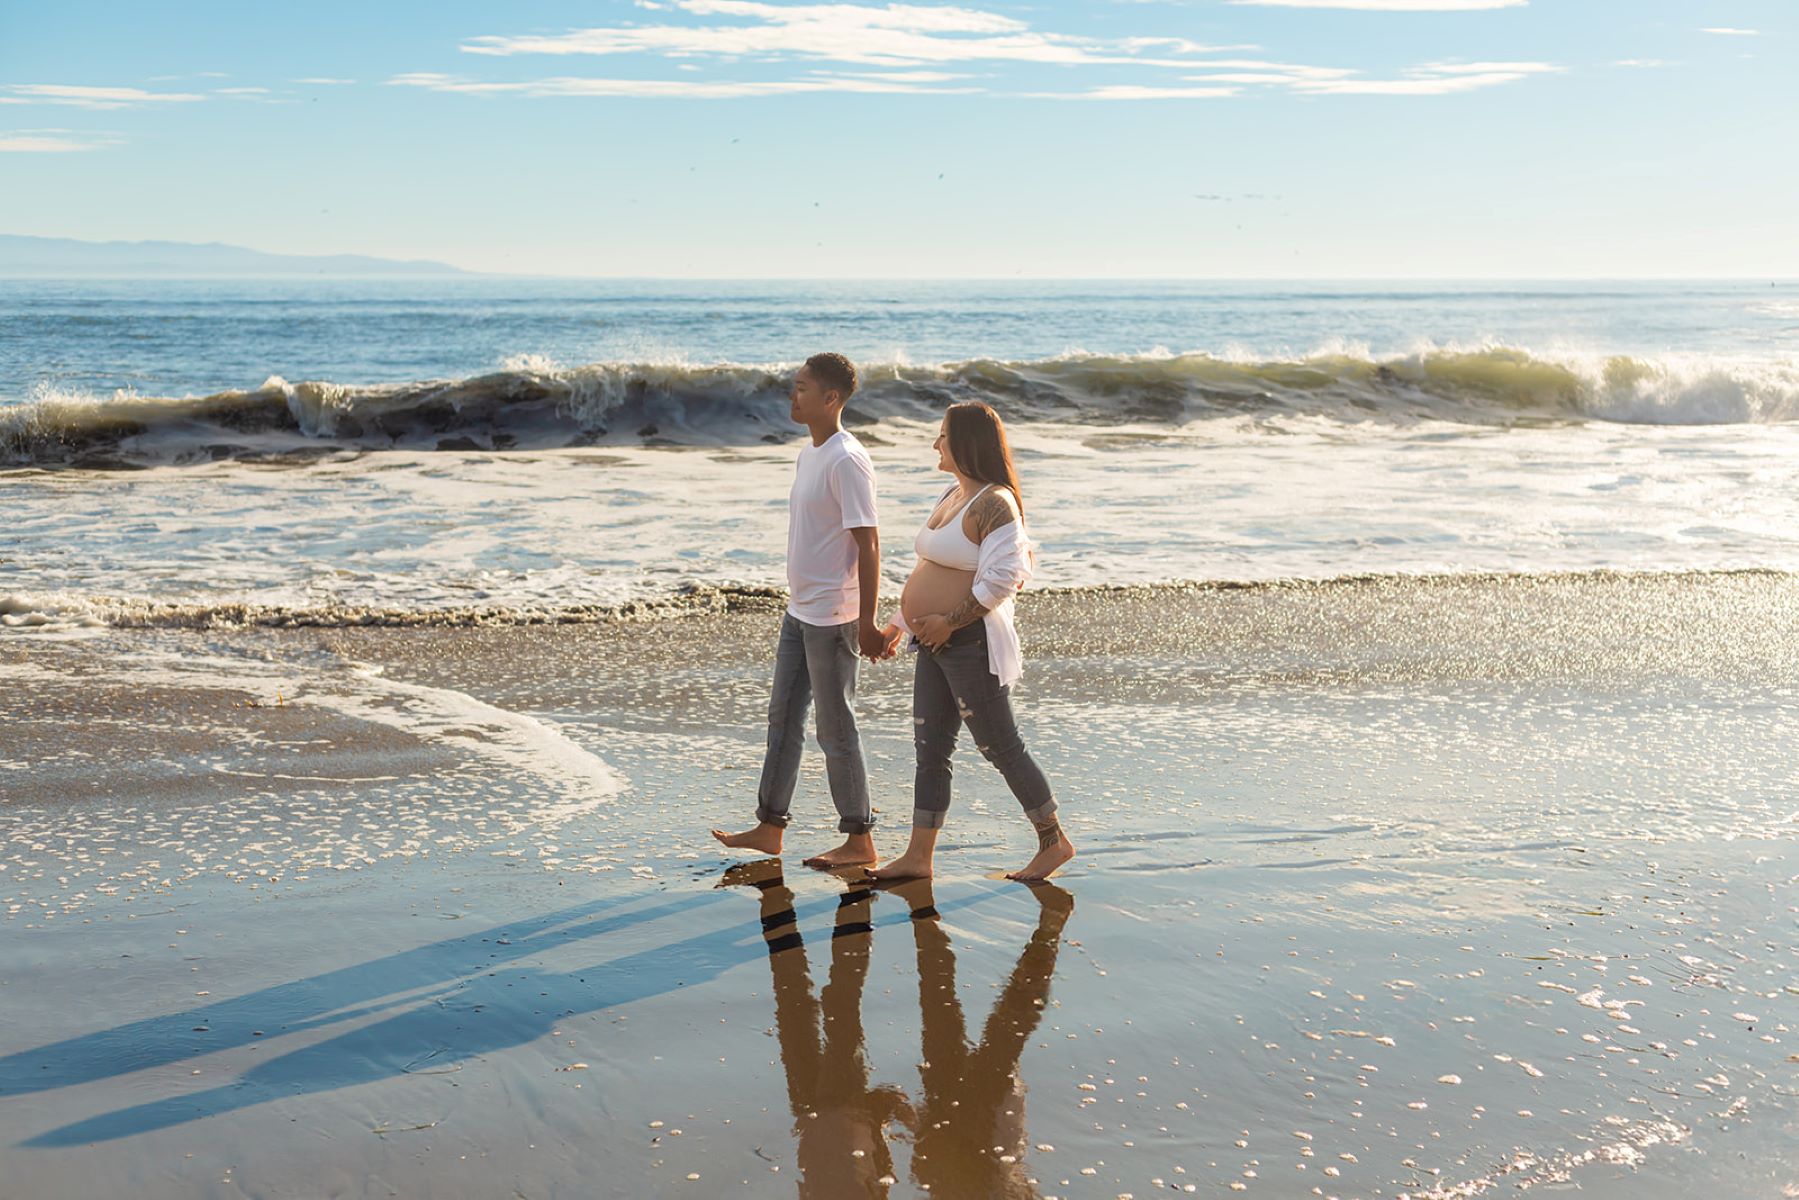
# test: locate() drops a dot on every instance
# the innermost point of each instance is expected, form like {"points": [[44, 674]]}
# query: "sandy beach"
{"points": [[1427, 887]]}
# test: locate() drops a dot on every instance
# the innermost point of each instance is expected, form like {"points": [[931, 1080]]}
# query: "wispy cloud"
{"points": [[1434, 79], [1126, 91], [899, 76], [1263, 70], [1727, 31], [323, 81], [1642, 63], [52, 141], [905, 49], [252, 95], [1137, 92], [77, 96], [685, 89], [1390, 5], [894, 35]]}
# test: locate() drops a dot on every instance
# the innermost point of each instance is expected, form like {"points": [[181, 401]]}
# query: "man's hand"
{"points": [[933, 630], [872, 641]]}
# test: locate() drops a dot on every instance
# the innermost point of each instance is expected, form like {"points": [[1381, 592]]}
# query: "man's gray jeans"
{"points": [[815, 665]]}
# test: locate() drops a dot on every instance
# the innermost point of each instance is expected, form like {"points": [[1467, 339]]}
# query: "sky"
{"points": [[751, 138]]}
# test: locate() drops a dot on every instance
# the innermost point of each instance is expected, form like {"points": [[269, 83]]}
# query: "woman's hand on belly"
{"points": [[934, 588], [932, 629]]}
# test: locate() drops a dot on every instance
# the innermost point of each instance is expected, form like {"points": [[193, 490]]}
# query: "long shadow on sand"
{"points": [[329, 998], [458, 1000]]}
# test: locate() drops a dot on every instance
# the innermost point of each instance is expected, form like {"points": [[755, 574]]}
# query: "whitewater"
{"points": [[388, 453]]}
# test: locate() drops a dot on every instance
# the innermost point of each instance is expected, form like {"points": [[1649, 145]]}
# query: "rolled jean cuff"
{"points": [[1042, 815], [925, 818], [853, 828], [778, 820]]}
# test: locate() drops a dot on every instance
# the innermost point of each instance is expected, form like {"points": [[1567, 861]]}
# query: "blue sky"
{"points": [[717, 138]]}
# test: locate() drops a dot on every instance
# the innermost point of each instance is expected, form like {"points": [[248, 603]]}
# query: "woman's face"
{"points": [[941, 445]]}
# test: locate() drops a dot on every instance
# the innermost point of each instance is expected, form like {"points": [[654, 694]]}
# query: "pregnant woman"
{"points": [[973, 555]]}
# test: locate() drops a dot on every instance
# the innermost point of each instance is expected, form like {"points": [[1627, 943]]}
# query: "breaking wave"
{"points": [[532, 404]]}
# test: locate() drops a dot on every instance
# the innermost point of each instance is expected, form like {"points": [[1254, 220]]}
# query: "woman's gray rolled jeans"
{"points": [[954, 686]]}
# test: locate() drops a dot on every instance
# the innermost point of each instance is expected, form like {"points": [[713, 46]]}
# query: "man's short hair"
{"points": [[834, 371]]}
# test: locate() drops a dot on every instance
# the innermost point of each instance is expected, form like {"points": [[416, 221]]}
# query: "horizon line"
{"points": [[469, 273]]}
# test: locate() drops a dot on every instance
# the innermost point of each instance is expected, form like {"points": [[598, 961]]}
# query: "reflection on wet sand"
{"points": [[968, 1127]]}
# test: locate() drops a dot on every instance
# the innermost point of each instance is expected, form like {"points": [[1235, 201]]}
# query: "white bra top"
{"points": [[947, 545]]}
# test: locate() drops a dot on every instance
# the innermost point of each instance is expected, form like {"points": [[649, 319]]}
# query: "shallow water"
{"points": [[1386, 888]]}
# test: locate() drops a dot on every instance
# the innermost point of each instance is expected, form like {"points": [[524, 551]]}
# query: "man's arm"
{"points": [[868, 585]]}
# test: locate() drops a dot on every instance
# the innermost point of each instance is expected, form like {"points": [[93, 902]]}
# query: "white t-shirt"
{"points": [[833, 493]]}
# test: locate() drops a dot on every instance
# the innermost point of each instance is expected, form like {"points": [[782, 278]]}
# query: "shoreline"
{"points": [[721, 599]]}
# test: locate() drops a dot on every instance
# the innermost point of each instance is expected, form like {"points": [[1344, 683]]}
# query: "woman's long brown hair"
{"points": [[978, 446]]}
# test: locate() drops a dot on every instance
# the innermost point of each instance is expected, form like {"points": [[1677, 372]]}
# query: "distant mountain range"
{"points": [[63, 257]]}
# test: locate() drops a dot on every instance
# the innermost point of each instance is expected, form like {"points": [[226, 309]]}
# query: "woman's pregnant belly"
{"points": [[934, 588]]}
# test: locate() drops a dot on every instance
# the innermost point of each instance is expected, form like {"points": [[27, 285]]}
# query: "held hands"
{"points": [[875, 644]]}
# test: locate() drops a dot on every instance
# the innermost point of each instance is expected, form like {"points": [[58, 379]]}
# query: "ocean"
{"points": [[520, 448]]}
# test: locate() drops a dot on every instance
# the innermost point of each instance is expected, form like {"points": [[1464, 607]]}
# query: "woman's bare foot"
{"points": [[764, 838], [910, 865], [1048, 861], [857, 848]]}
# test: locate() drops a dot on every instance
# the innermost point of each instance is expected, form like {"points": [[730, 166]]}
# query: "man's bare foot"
{"points": [[764, 838], [857, 848], [1047, 862], [909, 865]]}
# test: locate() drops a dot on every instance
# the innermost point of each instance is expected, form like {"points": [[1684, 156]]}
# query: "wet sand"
{"points": [[1387, 887]]}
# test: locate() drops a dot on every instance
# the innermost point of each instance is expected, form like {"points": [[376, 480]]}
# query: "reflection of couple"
{"points": [[973, 555], [967, 1128]]}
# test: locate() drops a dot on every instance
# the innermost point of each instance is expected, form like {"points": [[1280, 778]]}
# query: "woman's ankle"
{"points": [[923, 843]]}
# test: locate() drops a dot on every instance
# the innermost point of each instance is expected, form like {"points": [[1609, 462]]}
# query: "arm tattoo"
{"points": [[966, 613], [991, 511]]}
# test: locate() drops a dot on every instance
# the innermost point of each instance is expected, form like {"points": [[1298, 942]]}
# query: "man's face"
{"points": [[810, 400]]}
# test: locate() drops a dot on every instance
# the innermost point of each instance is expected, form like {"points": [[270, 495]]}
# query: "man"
{"points": [[834, 577]]}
